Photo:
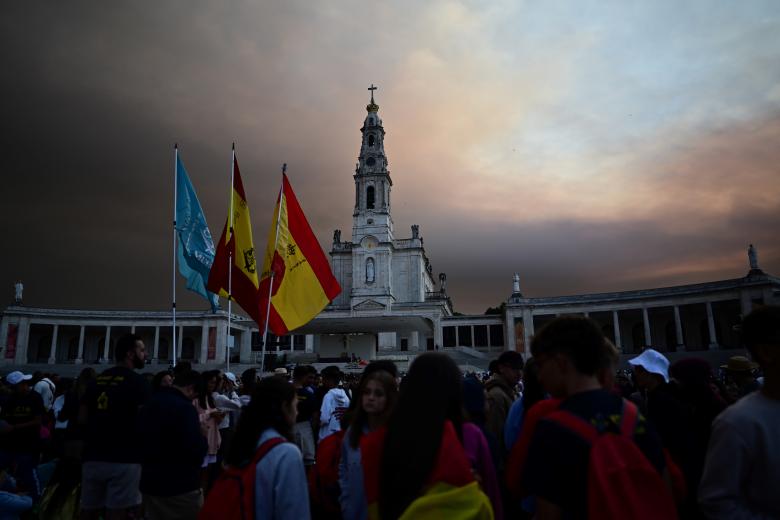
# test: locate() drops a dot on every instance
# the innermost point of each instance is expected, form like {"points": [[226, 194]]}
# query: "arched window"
{"points": [[370, 197], [371, 140], [370, 272]]}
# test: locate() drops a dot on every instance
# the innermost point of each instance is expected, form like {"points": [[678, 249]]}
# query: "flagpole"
{"points": [[230, 257], [175, 241], [271, 281]]}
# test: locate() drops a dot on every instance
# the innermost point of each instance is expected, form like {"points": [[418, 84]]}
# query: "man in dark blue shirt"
{"points": [[174, 447]]}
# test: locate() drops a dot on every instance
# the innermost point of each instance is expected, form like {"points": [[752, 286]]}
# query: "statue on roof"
{"points": [[753, 257], [443, 282], [18, 290]]}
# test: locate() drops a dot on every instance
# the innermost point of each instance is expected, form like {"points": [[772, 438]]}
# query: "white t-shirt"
{"points": [[230, 404], [46, 388], [334, 404], [742, 470], [57, 408]]}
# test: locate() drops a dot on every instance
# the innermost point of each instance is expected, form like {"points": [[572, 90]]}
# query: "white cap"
{"points": [[232, 377], [654, 362], [16, 377]]}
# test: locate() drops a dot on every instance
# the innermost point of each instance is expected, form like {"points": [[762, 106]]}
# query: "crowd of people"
{"points": [[563, 434]]}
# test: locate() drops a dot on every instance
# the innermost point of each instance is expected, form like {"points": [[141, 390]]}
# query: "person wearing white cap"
{"points": [[227, 400], [651, 362], [20, 436], [670, 417]]}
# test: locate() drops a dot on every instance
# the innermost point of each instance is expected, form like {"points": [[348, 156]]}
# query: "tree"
{"points": [[496, 310]]}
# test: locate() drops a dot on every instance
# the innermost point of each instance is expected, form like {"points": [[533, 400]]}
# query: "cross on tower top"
{"points": [[372, 88]]}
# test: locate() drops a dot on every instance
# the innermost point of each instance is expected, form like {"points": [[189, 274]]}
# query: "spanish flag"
{"points": [[450, 492], [236, 242], [303, 283]]}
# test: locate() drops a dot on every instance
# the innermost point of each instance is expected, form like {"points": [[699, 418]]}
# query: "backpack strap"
{"points": [[629, 419], [578, 425], [575, 424], [265, 448]]}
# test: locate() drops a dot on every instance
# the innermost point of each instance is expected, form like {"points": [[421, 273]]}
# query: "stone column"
{"points": [[132, 328], [80, 356], [678, 329], [204, 342], [646, 319], [156, 347], [245, 346], [221, 340], [53, 350], [616, 328], [106, 344], [711, 325], [528, 329], [438, 338], [414, 341], [309, 343], [22, 340], [510, 342]]}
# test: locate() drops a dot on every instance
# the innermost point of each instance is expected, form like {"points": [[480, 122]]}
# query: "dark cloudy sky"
{"points": [[588, 146]]}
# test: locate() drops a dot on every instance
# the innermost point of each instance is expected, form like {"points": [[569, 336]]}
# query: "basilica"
{"points": [[393, 306]]}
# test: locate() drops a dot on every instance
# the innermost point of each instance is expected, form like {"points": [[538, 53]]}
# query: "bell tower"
{"points": [[371, 216]]}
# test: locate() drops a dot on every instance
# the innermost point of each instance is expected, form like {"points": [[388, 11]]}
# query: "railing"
{"points": [[404, 243]]}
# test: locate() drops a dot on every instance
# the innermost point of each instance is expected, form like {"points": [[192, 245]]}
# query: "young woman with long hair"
{"points": [[280, 483], [418, 462], [375, 399]]}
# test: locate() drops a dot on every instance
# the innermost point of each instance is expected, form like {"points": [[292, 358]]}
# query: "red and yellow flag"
{"points": [[237, 241], [303, 283], [450, 491]]}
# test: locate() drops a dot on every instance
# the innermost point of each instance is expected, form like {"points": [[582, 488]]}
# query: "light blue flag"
{"points": [[196, 248]]}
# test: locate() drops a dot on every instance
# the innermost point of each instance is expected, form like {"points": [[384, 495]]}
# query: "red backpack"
{"points": [[233, 493], [324, 478], [622, 483]]}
